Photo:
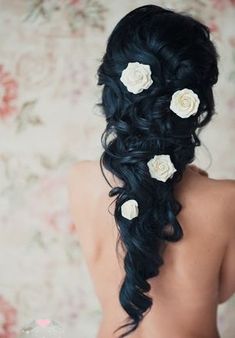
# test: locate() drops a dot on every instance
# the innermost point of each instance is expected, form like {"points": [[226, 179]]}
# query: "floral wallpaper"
{"points": [[49, 53]]}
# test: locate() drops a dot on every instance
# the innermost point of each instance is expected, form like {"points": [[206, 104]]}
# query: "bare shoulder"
{"points": [[86, 188], [82, 183], [84, 167], [208, 213], [225, 190], [220, 196], [82, 173], [218, 201], [212, 196], [89, 174], [80, 165], [75, 180], [79, 181]]}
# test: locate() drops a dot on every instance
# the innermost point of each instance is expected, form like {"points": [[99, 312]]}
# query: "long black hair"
{"points": [[181, 55]]}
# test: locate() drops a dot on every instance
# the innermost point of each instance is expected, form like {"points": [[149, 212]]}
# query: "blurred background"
{"points": [[49, 54]]}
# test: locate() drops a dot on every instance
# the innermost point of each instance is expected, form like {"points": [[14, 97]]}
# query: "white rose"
{"points": [[184, 103], [129, 209], [161, 167], [136, 77]]}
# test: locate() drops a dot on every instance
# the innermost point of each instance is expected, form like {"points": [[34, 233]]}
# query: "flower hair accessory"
{"points": [[161, 167], [184, 103], [136, 77], [129, 209]]}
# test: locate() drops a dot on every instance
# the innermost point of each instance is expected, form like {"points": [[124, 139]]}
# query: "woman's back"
{"points": [[198, 271]]}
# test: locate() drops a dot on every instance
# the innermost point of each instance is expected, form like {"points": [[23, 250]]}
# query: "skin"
{"points": [[198, 271]]}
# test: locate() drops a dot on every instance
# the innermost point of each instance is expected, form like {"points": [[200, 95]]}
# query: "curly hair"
{"points": [[180, 53]]}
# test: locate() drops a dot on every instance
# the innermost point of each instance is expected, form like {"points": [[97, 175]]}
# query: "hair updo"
{"points": [[180, 53]]}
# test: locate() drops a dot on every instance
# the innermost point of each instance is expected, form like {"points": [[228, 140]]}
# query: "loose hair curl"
{"points": [[181, 55]]}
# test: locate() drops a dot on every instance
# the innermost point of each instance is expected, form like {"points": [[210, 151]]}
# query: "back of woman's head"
{"points": [[181, 55]]}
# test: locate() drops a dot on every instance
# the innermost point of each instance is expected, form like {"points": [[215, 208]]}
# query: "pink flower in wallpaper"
{"points": [[232, 41], [8, 93], [73, 2], [223, 4], [213, 26], [7, 319], [72, 228]]}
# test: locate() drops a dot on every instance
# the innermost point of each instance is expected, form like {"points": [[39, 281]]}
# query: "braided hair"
{"points": [[180, 53]]}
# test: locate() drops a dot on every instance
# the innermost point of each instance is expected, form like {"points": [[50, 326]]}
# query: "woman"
{"points": [[161, 254]]}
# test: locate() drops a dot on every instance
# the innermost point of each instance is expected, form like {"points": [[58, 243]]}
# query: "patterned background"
{"points": [[49, 53]]}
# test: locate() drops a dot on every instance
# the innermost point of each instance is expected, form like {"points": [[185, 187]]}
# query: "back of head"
{"points": [[178, 50]]}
